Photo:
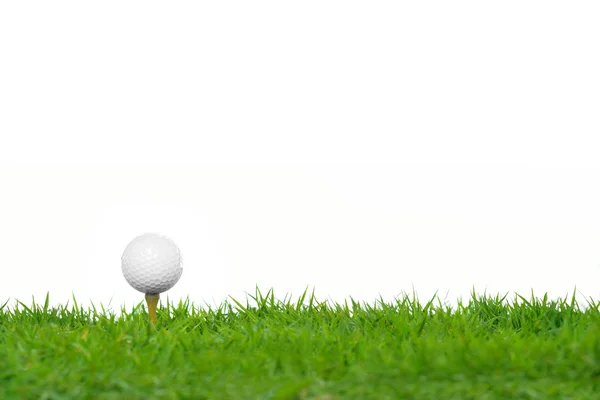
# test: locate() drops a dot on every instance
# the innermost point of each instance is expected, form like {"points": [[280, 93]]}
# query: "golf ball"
{"points": [[151, 263]]}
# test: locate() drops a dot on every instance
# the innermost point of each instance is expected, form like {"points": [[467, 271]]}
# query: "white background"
{"points": [[358, 148]]}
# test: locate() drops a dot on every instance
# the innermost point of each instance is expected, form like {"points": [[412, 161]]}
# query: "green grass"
{"points": [[264, 348]]}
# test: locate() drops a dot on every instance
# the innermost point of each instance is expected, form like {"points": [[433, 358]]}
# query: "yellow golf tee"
{"points": [[152, 301]]}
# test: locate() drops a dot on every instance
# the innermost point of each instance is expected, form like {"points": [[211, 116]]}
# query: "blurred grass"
{"points": [[264, 348]]}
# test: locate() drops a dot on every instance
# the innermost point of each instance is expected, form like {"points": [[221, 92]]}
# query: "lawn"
{"points": [[265, 348]]}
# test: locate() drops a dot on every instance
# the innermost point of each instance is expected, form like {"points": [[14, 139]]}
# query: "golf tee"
{"points": [[152, 301]]}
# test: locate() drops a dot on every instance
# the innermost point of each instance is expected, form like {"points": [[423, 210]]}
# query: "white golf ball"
{"points": [[151, 263]]}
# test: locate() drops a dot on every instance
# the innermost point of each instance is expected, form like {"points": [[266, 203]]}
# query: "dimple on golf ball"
{"points": [[151, 263]]}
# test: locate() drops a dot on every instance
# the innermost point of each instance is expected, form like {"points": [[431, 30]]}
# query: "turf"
{"points": [[263, 348]]}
